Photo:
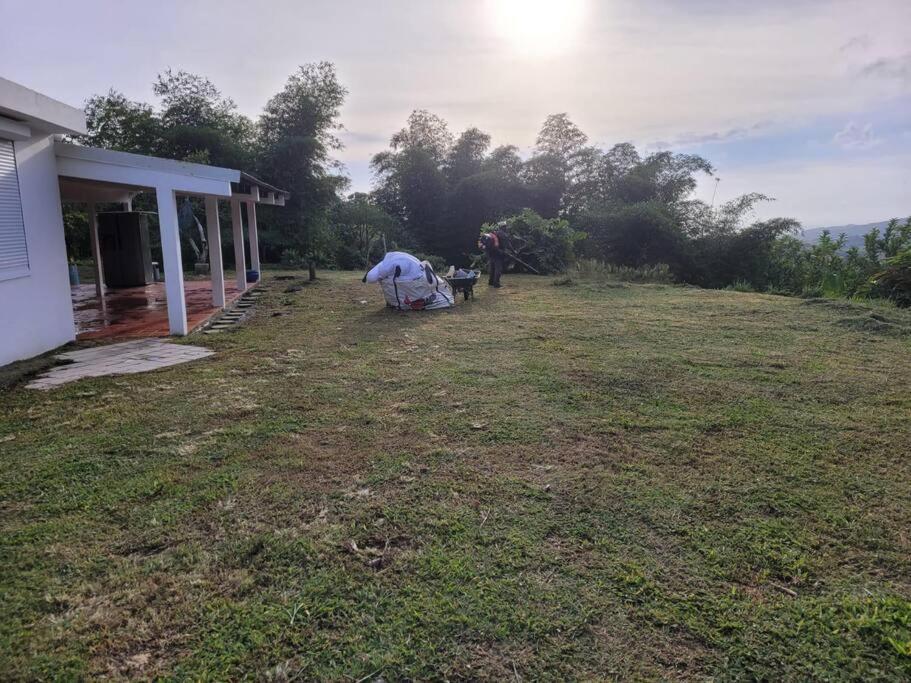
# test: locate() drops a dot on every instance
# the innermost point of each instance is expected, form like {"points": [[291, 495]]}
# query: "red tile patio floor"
{"points": [[140, 311]]}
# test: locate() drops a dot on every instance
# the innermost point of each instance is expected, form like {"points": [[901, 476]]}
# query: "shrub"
{"points": [[740, 286], [747, 255], [292, 258], [546, 244], [827, 269], [438, 263], [633, 235], [895, 281]]}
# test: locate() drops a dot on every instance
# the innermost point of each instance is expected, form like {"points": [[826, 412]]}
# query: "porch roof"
{"points": [[105, 168], [22, 109], [103, 175]]}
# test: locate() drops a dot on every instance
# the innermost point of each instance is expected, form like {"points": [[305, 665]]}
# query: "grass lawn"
{"points": [[550, 482]]}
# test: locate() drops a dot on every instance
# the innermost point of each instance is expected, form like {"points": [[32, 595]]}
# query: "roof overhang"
{"points": [[135, 172], [32, 110], [252, 189]]}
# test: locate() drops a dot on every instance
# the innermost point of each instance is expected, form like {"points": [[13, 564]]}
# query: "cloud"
{"points": [[898, 68], [861, 42], [728, 135], [853, 136]]}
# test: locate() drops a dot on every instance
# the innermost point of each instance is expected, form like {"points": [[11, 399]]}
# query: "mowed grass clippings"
{"points": [[573, 482]]}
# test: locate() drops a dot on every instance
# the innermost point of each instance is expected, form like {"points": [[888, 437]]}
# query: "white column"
{"points": [[96, 250], [216, 268], [240, 261], [128, 205], [173, 263], [253, 236]]}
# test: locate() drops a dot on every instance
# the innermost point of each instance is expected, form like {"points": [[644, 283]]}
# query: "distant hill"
{"points": [[854, 233]]}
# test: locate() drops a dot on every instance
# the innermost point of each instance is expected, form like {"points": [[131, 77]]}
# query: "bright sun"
{"points": [[540, 28]]}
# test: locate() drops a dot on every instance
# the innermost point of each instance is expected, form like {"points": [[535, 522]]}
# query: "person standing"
{"points": [[493, 243]]}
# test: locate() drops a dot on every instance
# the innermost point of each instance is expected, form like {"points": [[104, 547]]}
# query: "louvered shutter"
{"points": [[13, 250]]}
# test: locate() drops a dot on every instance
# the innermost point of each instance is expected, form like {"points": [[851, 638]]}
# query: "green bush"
{"points": [[895, 281], [827, 269], [438, 263], [633, 235], [292, 258], [740, 286], [546, 244]]}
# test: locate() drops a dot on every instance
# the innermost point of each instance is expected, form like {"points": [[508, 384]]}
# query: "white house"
{"points": [[38, 172]]}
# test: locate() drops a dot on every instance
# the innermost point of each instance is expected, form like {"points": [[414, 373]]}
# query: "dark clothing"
{"points": [[494, 244], [495, 265]]}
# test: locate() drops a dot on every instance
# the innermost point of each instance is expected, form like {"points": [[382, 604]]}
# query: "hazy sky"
{"points": [[809, 102]]}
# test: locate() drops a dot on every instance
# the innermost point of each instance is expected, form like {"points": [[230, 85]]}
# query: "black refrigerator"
{"points": [[126, 254]]}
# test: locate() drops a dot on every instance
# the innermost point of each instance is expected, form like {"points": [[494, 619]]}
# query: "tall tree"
{"points": [[557, 154], [424, 131], [411, 183], [545, 177], [200, 124], [362, 227], [561, 138], [466, 157], [505, 160], [297, 133], [114, 122]]}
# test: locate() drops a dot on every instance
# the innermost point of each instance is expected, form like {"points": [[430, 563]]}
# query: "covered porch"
{"points": [[136, 312], [95, 177]]}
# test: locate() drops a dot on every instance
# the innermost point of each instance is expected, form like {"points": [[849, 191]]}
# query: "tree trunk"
{"points": [[312, 267]]}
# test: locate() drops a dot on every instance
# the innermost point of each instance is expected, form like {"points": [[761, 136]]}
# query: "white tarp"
{"points": [[410, 267], [409, 284]]}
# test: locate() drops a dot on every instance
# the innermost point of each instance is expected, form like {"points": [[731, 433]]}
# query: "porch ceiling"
{"points": [[78, 190]]}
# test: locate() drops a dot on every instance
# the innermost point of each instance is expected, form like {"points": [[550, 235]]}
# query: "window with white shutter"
{"points": [[13, 249]]}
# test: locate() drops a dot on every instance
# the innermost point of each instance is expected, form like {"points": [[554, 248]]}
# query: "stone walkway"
{"points": [[118, 359]]}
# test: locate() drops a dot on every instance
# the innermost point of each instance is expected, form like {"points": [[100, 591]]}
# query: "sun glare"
{"points": [[541, 28]]}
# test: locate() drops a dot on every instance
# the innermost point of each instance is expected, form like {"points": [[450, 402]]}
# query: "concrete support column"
{"points": [[173, 263], [96, 250], [216, 268], [253, 236], [240, 260]]}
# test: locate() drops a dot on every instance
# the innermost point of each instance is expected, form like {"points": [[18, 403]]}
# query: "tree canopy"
{"points": [[290, 145], [435, 190], [296, 136]]}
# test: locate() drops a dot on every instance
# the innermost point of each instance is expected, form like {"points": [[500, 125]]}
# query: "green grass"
{"points": [[575, 482]]}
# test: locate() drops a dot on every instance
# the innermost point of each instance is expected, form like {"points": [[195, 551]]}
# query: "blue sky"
{"points": [[805, 101]]}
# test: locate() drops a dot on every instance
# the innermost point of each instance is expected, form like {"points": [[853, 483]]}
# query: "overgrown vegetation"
{"points": [[547, 483], [546, 245]]}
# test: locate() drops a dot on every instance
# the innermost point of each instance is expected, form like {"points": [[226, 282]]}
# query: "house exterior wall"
{"points": [[36, 313]]}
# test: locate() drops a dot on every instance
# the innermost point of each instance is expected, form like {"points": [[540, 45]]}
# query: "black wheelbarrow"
{"points": [[464, 285]]}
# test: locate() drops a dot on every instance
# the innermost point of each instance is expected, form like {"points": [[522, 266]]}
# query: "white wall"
{"points": [[36, 312]]}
